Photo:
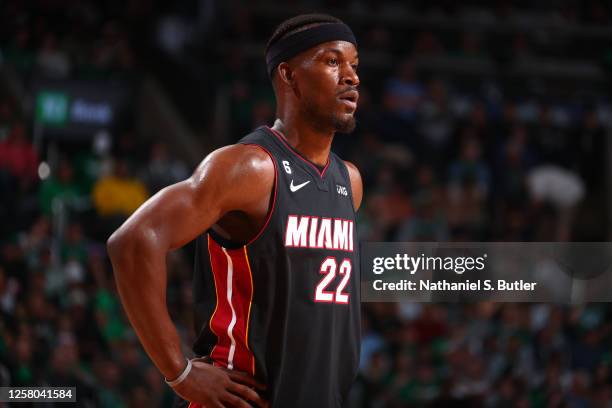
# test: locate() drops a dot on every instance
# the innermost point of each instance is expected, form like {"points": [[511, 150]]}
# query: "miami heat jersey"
{"points": [[285, 306]]}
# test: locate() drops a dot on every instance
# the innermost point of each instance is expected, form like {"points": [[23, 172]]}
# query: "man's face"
{"points": [[326, 84]]}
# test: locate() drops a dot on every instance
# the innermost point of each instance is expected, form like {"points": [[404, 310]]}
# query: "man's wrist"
{"points": [[174, 365], [181, 376]]}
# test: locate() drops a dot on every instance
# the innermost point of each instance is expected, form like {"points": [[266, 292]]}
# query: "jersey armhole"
{"points": [[347, 174], [274, 194]]}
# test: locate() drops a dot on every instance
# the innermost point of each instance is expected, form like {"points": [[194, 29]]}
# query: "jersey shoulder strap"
{"points": [[344, 172], [341, 165], [259, 137]]}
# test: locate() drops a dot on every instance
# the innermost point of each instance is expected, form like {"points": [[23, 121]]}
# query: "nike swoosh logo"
{"points": [[296, 188]]}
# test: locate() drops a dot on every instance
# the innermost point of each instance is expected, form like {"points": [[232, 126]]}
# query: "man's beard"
{"points": [[344, 125], [324, 120]]}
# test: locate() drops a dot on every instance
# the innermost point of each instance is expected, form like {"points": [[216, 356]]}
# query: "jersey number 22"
{"points": [[328, 269]]}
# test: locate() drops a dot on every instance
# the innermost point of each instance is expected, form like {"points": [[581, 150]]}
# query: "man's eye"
{"points": [[354, 67], [333, 61]]}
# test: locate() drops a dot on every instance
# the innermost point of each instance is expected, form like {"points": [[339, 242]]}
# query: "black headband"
{"points": [[294, 44]]}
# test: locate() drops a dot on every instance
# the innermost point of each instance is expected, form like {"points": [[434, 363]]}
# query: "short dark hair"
{"points": [[299, 23]]}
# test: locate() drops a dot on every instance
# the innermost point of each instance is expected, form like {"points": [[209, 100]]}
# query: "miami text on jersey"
{"points": [[303, 231]]}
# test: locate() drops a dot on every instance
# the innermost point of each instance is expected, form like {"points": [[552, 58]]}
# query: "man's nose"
{"points": [[349, 76]]}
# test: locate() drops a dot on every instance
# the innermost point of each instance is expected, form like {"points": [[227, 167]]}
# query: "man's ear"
{"points": [[285, 73]]}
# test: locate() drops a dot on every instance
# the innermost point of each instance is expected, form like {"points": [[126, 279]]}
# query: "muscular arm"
{"points": [[356, 184], [232, 178]]}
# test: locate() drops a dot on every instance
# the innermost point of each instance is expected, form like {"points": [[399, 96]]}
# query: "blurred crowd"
{"points": [[484, 355], [444, 157], [62, 323]]}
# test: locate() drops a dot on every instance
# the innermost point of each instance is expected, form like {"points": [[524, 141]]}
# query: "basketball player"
{"points": [[276, 282]]}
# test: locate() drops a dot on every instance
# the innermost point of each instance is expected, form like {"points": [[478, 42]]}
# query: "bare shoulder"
{"points": [[237, 158], [238, 173], [356, 183]]}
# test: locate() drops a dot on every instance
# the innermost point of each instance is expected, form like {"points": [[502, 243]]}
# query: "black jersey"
{"points": [[285, 306]]}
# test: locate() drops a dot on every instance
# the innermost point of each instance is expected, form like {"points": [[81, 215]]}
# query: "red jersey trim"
{"points": [[248, 321], [234, 296], [220, 316]]}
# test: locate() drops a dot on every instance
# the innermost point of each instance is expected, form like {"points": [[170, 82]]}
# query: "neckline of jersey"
{"points": [[284, 141]]}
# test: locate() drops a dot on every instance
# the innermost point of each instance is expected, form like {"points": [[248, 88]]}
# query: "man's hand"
{"points": [[215, 387]]}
